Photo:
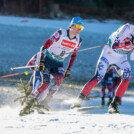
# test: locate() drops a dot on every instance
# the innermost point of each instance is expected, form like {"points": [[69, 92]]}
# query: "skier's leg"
{"points": [[101, 70], [121, 88], [58, 76], [100, 73], [102, 94], [55, 87], [113, 88], [110, 93], [36, 80], [45, 83]]}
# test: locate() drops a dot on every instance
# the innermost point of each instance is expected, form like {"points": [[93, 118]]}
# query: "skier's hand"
{"points": [[67, 73], [41, 66], [32, 68]]}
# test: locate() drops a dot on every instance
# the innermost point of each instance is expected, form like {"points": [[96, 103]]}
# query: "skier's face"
{"points": [[75, 30]]}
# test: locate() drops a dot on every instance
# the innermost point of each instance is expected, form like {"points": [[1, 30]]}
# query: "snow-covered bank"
{"points": [[90, 25]]}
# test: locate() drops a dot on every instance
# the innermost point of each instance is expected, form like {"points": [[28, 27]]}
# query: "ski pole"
{"points": [[23, 67], [130, 51], [92, 47], [26, 73]]}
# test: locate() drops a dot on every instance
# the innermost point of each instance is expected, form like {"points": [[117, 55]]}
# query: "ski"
{"points": [[90, 108]]}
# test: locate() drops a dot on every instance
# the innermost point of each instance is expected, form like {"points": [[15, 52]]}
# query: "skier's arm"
{"points": [[54, 38], [125, 37], [72, 60], [43, 49], [118, 45], [32, 60]]}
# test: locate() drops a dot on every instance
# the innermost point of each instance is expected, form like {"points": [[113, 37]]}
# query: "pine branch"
{"points": [[24, 90]]}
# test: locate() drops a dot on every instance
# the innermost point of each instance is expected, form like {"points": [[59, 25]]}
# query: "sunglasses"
{"points": [[79, 27]]}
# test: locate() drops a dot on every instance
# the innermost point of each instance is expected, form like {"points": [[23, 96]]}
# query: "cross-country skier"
{"points": [[62, 43], [107, 82], [110, 81], [120, 43]]}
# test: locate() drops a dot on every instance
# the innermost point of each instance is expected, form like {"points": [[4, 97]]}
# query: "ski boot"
{"points": [[78, 102], [102, 101], [113, 107]]}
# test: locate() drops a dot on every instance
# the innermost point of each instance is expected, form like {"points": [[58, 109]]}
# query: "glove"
{"points": [[67, 73], [41, 66], [32, 68]]}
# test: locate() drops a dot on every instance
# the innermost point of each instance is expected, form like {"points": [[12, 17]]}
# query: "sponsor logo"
{"points": [[105, 60], [124, 61], [68, 44], [109, 52], [37, 76], [126, 39]]}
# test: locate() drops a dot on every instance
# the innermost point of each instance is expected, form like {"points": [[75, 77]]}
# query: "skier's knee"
{"points": [[98, 76], [46, 79], [126, 75]]}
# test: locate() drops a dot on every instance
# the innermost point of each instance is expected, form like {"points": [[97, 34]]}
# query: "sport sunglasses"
{"points": [[79, 27]]}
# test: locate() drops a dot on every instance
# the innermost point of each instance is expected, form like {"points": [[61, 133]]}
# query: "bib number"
{"points": [[62, 53]]}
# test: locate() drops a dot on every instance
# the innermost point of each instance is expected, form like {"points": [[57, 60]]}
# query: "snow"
{"points": [[60, 120], [65, 123]]}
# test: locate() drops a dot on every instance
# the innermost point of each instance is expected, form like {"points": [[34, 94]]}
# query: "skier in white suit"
{"points": [[120, 43]]}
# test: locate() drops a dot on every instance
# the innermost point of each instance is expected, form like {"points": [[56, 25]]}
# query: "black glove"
{"points": [[41, 66], [32, 68]]}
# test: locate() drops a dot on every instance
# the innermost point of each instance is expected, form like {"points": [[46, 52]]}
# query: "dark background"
{"points": [[99, 9]]}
